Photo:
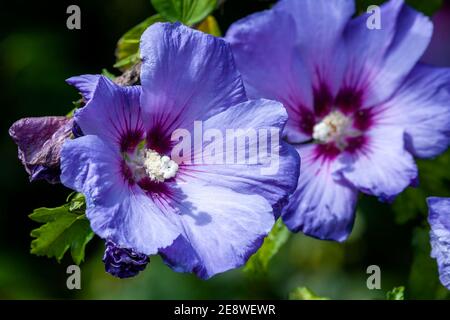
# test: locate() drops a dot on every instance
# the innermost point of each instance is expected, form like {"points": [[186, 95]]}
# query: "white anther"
{"points": [[332, 128], [157, 167]]}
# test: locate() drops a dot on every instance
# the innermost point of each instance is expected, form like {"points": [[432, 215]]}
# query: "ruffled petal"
{"points": [[221, 229], [439, 220], [271, 166], [379, 60], [113, 114], [381, 166], [322, 207], [271, 64], [116, 210], [320, 25], [186, 75], [86, 84], [123, 262], [422, 108]]}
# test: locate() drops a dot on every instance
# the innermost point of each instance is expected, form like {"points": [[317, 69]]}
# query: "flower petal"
{"points": [[382, 166], [322, 207], [86, 84], [186, 75], [379, 60], [320, 25], [439, 219], [422, 107], [116, 210], [271, 64], [220, 232], [271, 168], [113, 114]]}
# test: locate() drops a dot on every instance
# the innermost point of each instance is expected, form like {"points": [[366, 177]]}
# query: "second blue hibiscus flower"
{"points": [[360, 106]]}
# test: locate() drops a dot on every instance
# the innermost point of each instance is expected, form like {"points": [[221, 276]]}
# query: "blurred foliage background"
{"points": [[38, 52]]}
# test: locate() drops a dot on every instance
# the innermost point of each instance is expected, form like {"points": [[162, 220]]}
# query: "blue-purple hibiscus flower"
{"points": [[439, 219], [360, 106], [202, 218]]}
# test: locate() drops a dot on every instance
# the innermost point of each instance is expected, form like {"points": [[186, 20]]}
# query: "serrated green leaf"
{"points": [[127, 49], [64, 228], [303, 293], [44, 215], [210, 25], [277, 237], [398, 293], [188, 12]]}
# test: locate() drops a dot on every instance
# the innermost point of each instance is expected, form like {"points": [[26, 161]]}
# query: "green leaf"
{"points": [[259, 262], [398, 293], [210, 25], [188, 12], [108, 74], [127, 50], [64, 228], [76, 202], [303, 293], [127, 62]]}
